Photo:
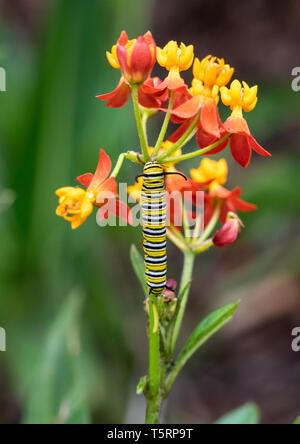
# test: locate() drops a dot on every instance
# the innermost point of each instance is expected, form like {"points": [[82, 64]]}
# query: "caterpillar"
{"points": [[154, 215]]}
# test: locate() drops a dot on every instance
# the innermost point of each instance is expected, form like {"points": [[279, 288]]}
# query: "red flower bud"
{"points": [[137, 58], [229, 232], [171, 284]]}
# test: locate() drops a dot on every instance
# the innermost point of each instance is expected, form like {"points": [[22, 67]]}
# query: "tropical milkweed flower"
{"points": [[209, 75], [136, 59], [175, 59], [240, 97], [228, 234], [214, 172], [228, 201], [76, 204]]}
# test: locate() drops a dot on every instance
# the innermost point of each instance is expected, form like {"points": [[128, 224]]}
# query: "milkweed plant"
{"points": [[195, 213]]}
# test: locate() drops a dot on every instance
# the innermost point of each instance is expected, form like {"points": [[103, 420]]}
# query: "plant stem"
{"points": [[211, 225], [145, 118], [194, 153], [130, 155], [176, 240], [181, 142], [139, 123], [203, 247], [164, 128], [154, 353], [153, 410], [189, 259]]}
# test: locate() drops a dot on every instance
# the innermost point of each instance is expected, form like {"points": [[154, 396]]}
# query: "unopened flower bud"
{"points": [[229, 232]]}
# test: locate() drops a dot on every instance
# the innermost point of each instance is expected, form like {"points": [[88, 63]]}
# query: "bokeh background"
{"points": [[70, 304]]}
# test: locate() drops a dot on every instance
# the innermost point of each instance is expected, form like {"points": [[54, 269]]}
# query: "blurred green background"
{"points": [[70, 304]]}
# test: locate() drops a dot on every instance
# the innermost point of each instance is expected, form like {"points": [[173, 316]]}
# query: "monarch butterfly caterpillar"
{"points": [[154, 218]]}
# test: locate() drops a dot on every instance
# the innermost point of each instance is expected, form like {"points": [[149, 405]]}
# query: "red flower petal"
{"points": [[209, 118], [246, 207], [107, 190], [122, 57], [123, 39], [258, 148], [221, 192], [180, 131], [240, 149], [174, 83], [148, 100], [123, 211], [188, 109], [228, 233], [117, 208], [238, 125], [103, 169], [203, 140], [117, 98], [141, 61], [85, 179]]}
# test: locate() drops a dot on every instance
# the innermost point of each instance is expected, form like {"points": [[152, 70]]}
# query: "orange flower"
{"points": [[76, 204], [241, 98], [214, 173], [136, 59], [230, 202], [209, 75]]}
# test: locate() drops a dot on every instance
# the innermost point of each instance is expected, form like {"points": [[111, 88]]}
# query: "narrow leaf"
{"points": [[201, 334], [139, 267], [247, 414], [205, 330]]}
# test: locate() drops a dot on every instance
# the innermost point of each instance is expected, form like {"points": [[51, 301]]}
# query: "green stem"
{"points": [[181, 142], [130, 155], [153, 410], [203, 247], [211, 225], [189, 259], [145, 118], [177, 241], [154, 352], [194, 153], [139, 124], [164, 128]]}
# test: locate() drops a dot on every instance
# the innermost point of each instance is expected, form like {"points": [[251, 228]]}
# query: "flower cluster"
{"points": [[76, 204], [195, 109]]}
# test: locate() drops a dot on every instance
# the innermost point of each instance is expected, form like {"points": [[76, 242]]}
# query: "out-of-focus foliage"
{"points": [[248, 414], [50, 131]]}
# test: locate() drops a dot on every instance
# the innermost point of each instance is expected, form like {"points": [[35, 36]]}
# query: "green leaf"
{"points": [[297, 420], [58, 386], [247, 414], [201, 334], [205, 330], [139, 267], [141, 385]]}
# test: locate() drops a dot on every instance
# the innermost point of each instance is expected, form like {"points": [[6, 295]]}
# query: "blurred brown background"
{"points": [[52, 281]]}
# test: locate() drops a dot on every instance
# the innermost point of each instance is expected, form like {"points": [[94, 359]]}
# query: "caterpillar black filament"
{"points": [[154, 227]]}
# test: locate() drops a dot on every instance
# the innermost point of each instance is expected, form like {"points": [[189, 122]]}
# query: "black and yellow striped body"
{"points": [[154, 227]]}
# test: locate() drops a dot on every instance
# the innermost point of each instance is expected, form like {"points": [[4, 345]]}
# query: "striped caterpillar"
{"points": [[154, 217], [154, 223]]}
